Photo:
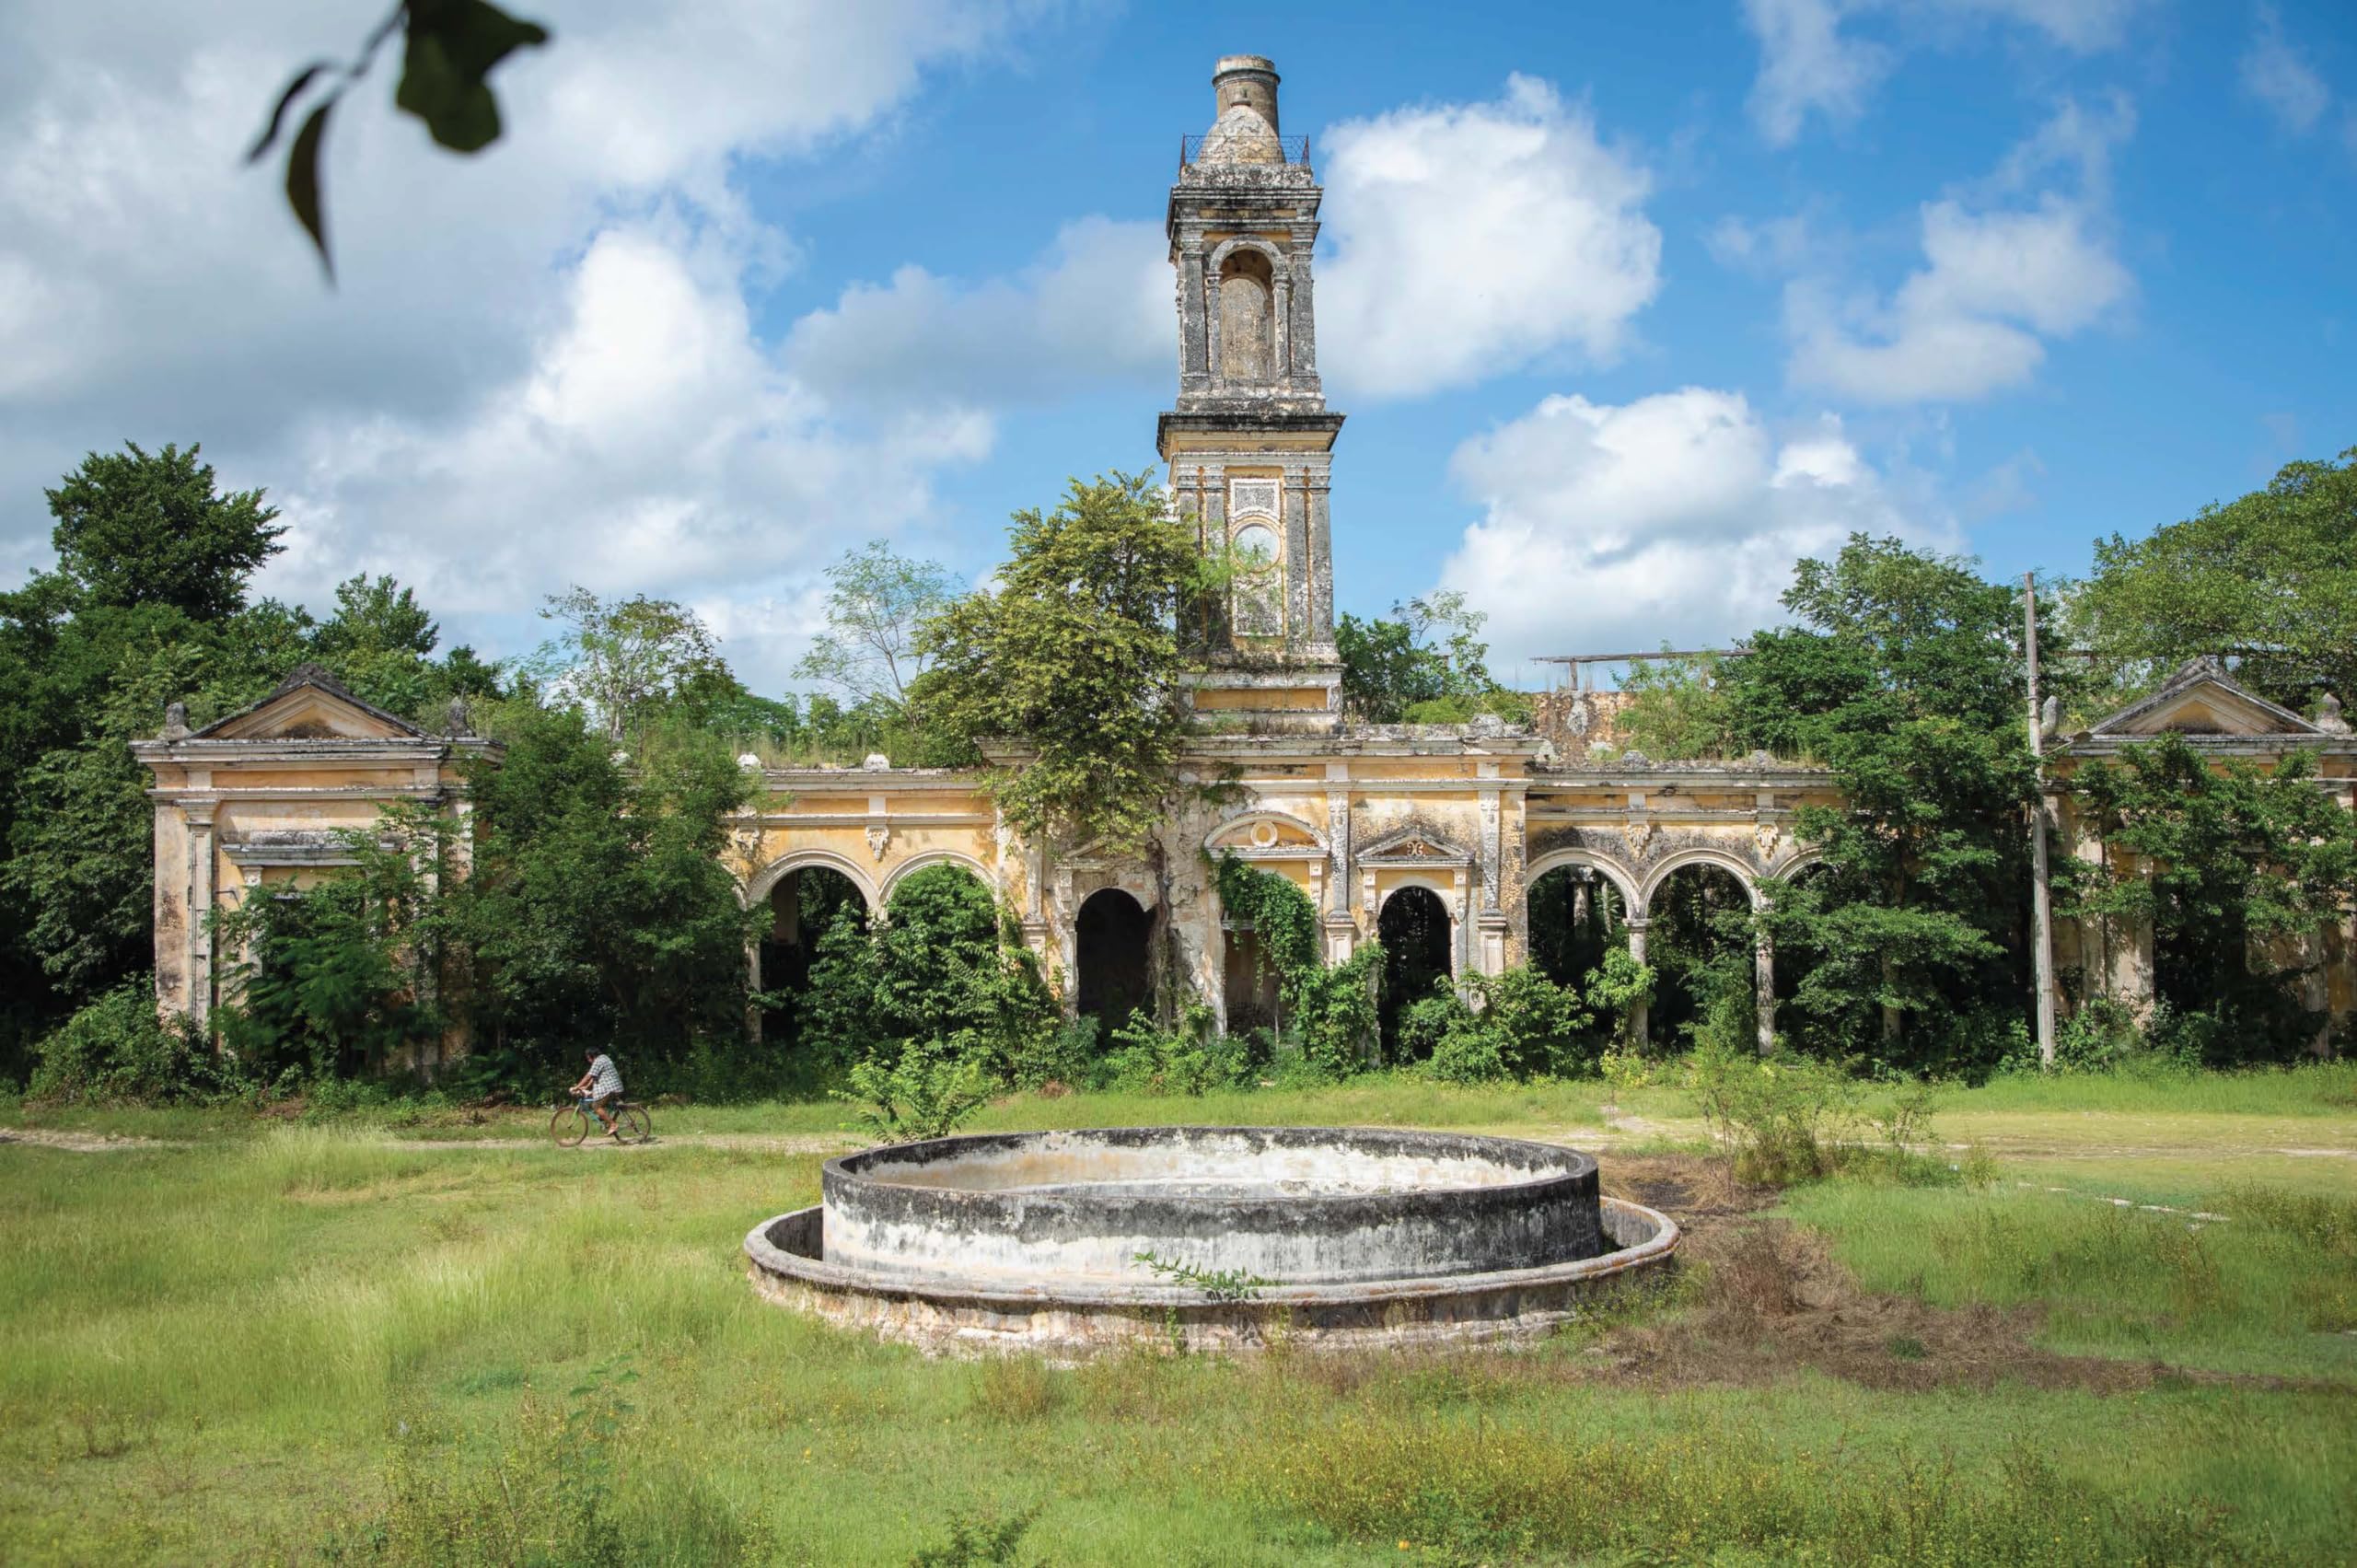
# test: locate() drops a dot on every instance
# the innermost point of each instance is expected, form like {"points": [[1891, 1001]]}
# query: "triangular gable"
{"points": [[311, 704], [2199, 699], [1414, 844]]}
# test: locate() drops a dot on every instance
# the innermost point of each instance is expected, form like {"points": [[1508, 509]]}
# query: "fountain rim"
{"points": [[940, 1287], [1570, 1165]]}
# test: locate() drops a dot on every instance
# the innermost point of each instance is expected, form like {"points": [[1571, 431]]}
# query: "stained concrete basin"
{"points": [[1285, 1204], [1338, 1237]]}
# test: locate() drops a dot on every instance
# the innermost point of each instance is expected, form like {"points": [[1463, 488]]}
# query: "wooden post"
{"points": [[2040, 890]]}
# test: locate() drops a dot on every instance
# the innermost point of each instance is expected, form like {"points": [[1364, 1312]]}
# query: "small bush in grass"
{"points": [[1780, 1117], [117, 1051], [1192, 1059], [976, 1541], [918, 1089], [1016, 1389]]}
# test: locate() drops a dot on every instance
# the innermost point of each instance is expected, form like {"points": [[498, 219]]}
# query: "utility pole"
{"points": [[2040, 891]]}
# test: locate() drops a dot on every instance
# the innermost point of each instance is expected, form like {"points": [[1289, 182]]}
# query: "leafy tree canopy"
{"points": [[2270, 577], [136, 528], [623, 660], [1426, 665], [1904, 676], [876, 603], [1073, 657]]}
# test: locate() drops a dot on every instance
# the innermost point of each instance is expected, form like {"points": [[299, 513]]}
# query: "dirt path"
{"points": [[83, 1142]]}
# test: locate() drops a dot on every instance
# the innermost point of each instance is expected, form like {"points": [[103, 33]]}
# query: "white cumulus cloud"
{"points": [[539, 365], [1467, 239], [1096, 305], [1815, 60], [1676, 517], [2005, 268]]}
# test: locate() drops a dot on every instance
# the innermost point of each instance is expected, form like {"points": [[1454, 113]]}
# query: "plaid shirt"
{"points": [[604, 1078]]}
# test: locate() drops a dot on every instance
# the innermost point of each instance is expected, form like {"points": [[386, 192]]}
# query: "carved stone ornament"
{"points": [[1769, 837], [1638, 834], [176, 721], [880, 839]]}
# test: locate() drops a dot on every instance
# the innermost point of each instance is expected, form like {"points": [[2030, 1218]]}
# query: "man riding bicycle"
{"points": [[600, 1087]]}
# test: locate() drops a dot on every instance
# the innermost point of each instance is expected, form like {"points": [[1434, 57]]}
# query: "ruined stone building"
{"points": [[1439, 839]]}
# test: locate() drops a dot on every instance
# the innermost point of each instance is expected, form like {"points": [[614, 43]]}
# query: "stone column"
{"points": [[1763, 990], [1279, 317], [1341, 931], [1320, 561], [201, 856], [1296, 506], [1304, 364], [1194, 348], [1641, 1014]]}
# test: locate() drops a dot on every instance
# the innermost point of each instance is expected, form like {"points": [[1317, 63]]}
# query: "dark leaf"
{"points": [[303, 78], [453, 45], [302, 181]]}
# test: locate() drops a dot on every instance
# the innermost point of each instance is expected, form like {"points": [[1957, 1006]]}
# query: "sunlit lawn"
{"points": [[270, 1342]]}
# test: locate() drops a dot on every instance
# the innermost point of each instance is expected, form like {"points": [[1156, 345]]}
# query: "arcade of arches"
{"points": [[1472, 846]]}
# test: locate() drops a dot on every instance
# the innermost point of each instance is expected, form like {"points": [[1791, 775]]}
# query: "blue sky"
{"points": [[1628, 305]]}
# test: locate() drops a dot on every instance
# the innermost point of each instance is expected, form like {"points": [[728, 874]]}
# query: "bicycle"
{"points": [[571, 1124]]}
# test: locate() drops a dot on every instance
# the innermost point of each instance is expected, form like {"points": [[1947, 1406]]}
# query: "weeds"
{"points": [[975, 1541], [1217, 1284]]}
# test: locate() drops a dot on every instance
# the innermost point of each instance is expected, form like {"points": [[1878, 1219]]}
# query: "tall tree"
{"points": [[621, 659], [1073, 655], [1904, 678], [1427, 663], [877, 601], [135, 527], [2270, 577]]}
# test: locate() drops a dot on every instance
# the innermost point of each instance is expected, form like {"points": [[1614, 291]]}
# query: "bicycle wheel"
{"points": [[569, 1126], [636, 1125]]}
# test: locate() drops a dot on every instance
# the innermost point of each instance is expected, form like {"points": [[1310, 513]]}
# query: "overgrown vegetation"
{"points": [[401, 1355]]}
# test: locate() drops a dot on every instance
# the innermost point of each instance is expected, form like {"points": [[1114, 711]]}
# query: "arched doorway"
{"points": [[1698, 941], [1576, 915], [808, 906], [1110, 942], [1417, 939], [940, 924]]}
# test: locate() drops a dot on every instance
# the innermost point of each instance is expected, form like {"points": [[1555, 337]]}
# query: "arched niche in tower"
{"points": [[1248, 333]]}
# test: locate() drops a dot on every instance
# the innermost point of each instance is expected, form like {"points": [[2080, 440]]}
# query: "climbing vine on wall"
{"points": [[1330, 1010]]}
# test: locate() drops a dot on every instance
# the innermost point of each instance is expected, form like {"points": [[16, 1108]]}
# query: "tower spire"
{"points": [[1250, 443]]}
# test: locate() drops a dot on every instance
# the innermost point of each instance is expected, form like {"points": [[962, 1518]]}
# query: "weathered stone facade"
{"points": [[1355, 815]]}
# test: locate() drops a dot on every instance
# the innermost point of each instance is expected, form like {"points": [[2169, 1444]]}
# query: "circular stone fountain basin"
{"points": [[1339, 1235]]}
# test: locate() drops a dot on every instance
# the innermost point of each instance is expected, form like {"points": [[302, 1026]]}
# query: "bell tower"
{"points": [[1250, 444]]}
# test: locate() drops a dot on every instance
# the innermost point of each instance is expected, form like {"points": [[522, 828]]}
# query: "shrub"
{"points": [[1779, 1116], [921, 1089], [1192, 1059], [117, 1049]]}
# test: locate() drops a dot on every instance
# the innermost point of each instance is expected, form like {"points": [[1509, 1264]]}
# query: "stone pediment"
{"points": [[1414, 845], [2201, 699], [311, 704], [1265, 835]]}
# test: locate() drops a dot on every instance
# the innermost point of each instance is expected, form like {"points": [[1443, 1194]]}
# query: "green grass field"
{"points": [[448, 1342]]}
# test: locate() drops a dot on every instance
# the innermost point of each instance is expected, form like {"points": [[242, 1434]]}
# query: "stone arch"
{"points": [[1445, 891], [770, 876], [1246, 284], [1252, 817], [1725, 860], [1217, 262], [1112, 959], [1620, 877], [930, 857]]}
